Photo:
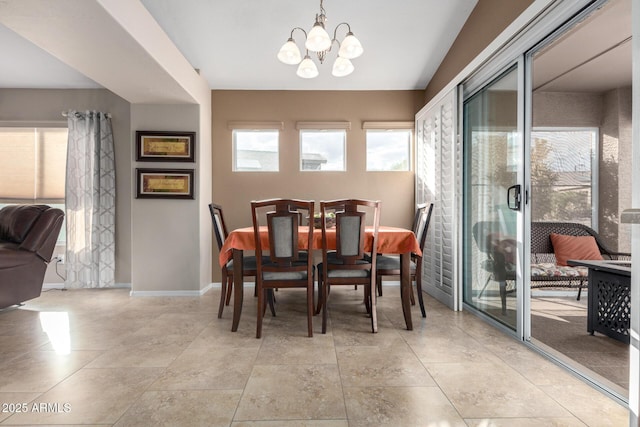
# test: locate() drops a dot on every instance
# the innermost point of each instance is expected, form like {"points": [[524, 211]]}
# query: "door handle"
{"points": [[514, 197]]}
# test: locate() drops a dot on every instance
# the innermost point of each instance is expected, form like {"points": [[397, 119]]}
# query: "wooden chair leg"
{"points": [[367, 298], [310, 309], [379, 285], [325, 303], [271, 299], [223, 292], [260, 310], [320, 300], [419, 292], [313, 300], [229, 289], [374, 314], [412, 297]]}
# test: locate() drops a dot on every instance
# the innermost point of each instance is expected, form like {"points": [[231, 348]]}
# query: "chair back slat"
{"points": [[282, 217], [421, 222], [283, 236], [219, 226], [350, 235], [351, 219]]}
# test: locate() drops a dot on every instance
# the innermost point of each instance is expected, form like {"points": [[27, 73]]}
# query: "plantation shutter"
{"points": [[438, 156]]}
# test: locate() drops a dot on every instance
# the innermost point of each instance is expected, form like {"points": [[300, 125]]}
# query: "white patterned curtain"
{"points": [[90, 201]]}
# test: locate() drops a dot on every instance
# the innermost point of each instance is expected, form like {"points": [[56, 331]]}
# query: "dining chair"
{"points": [[287, 265], [389, 265], [249, 266], [347, 263]]}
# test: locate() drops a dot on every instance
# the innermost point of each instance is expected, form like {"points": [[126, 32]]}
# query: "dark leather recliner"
{"points": [[28, 236]]}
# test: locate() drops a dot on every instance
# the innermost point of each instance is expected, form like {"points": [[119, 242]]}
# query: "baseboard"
{"points": [[390, 283], [181, 293], [62, 285], [195, 293], [53, 286]]}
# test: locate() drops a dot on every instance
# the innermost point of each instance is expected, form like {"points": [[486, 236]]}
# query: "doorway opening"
{"points": [[580, 163]]}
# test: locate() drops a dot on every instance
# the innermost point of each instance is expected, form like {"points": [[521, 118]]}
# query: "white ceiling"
{"points": [[234, 43], [25, 65]]}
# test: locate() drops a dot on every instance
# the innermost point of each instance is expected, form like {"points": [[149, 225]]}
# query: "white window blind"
{"points": [[32, 164]]}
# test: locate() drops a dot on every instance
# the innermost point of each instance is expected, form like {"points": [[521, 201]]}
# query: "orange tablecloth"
{"points": [[391, 240]]}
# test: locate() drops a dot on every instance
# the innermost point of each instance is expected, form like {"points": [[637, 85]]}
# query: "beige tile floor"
{"points": [[560, 322], [102, 358]]}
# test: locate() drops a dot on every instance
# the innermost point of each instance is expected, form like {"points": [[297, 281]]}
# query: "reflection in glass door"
{"points": [[492, 167]]}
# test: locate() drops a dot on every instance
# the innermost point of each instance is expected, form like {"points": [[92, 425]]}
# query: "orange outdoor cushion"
{"points": [[574, 247]]}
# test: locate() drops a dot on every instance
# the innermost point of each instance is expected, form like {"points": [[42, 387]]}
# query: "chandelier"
{"points": [[318, 41]]}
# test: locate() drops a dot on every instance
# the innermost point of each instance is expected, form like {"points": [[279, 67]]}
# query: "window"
{"points": [[33, 165], [563, 175], [388, 150], [322, 150], [255, 150]]}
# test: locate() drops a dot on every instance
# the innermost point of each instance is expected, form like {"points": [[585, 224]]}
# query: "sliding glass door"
{"points": [[546, 137], [492, 176]]}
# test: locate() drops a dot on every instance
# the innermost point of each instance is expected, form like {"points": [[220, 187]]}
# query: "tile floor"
{"points": [[560, 322], [102, 358]]}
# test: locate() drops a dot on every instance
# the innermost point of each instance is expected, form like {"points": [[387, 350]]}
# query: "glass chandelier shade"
{"points": [[289, 53], [342, 67], [307, 68], [350, 47], [318, 40]]}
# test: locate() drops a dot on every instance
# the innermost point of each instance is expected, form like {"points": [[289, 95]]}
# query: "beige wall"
{"points": [[30, 106], [615, 167], [564, 109], [487, 20], [234, 190]]}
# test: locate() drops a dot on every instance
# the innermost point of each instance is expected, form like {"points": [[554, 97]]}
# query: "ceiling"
{"points": [[233, 43], [593, 56]]}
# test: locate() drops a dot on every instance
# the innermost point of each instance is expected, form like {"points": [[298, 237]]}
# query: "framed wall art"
{"points": [[157, 146], [164, 183]]}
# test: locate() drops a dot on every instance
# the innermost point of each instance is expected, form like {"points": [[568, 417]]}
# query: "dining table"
{"points": [[391, 240]]}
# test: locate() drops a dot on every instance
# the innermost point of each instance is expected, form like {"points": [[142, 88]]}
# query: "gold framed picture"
{"points": [[157, 146], [164, 183]]}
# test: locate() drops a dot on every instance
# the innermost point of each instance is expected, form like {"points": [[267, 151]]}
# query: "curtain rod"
{"points": [[78, 114]]}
